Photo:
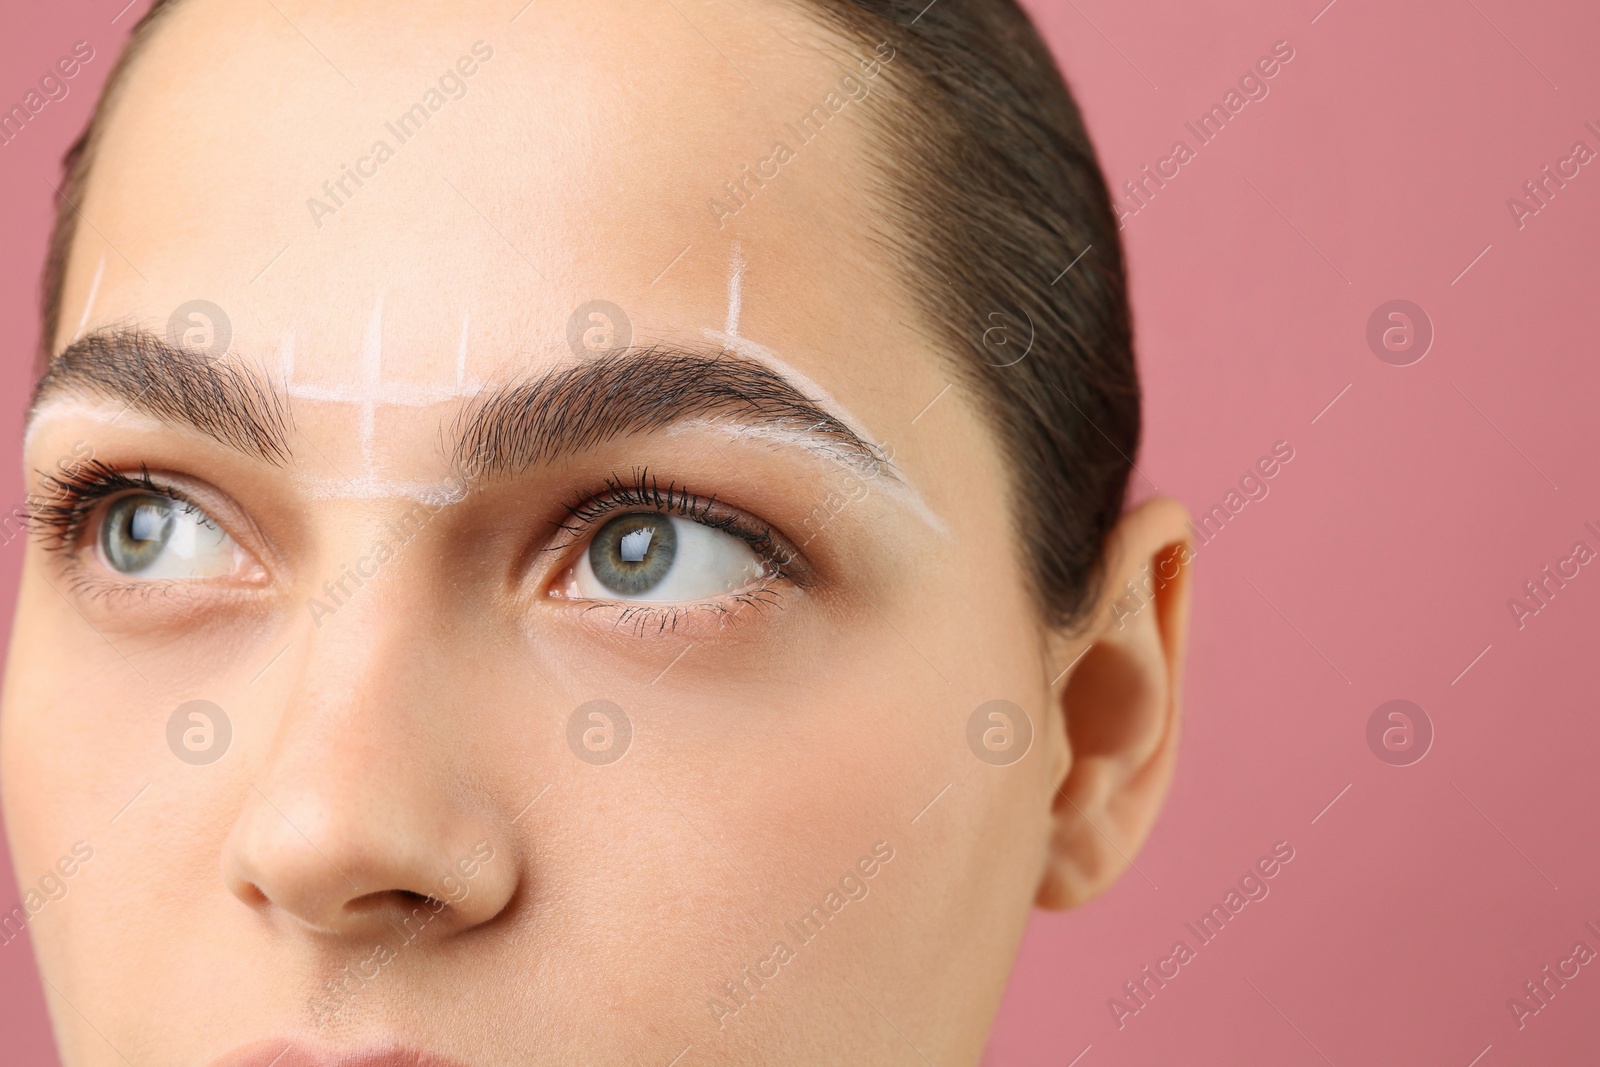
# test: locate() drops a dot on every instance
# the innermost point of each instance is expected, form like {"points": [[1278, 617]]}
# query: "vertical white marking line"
{"points": [[286, 359], [372, 383], [88, 305], [735, 293]]}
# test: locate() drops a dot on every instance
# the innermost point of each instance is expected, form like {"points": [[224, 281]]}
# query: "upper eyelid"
{"points": [[775, 545], [620, 494]]}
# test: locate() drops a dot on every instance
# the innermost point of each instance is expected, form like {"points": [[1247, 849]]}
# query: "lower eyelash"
{"points": [[641, 619]]}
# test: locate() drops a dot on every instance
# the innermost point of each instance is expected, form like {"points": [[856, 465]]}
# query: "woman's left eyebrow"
{"points": [[568, 410]]}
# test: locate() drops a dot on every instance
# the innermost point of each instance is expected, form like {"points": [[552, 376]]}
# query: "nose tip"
{"points": [[344, 875]]}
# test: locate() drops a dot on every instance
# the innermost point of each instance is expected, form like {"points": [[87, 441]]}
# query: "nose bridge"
{"points": [[357, 809], [378, 559]]}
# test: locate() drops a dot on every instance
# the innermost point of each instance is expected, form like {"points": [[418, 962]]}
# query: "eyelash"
{"points": [[642, 490], [72, 496]]}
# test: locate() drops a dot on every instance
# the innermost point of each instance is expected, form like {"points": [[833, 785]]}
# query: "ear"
{"points": [[1118, 706]]}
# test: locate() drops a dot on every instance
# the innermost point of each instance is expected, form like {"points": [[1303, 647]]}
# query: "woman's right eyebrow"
{"points": [[225, 401]]}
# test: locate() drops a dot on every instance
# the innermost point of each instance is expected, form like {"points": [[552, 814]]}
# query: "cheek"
{"points": [[84, 756], [54, 763]]}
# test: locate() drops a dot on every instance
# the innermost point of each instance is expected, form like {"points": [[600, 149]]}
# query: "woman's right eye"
{"points": [[147, 535]]}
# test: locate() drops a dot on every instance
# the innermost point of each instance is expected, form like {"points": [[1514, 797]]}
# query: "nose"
{"points": [[361, 817]]}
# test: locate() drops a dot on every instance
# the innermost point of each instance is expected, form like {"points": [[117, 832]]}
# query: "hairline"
{"points": [[78, 164]]}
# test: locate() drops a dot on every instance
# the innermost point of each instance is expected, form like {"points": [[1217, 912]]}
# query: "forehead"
{"points": [[297, 165]]}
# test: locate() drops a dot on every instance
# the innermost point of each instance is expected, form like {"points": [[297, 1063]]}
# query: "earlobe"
{"points": [[1119, 706]]}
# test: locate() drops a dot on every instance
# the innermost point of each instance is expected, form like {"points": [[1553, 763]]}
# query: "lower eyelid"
{"points": [[697, 620]]}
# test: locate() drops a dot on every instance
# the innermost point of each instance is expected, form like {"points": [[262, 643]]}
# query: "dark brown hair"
{"points": [[989, 190], [992, 191]]}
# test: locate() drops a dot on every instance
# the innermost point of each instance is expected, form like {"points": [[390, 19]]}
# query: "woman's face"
{"points": [[509, 697]]}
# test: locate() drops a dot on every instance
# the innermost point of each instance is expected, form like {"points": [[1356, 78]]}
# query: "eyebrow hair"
{"points": [[225, 401], [506, 429], [570, 409]]}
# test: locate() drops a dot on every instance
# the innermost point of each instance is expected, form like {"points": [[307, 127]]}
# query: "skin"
{"points": [[375, 748]]}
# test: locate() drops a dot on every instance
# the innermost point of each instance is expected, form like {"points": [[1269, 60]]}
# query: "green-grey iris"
{"points": [[632, 553], [135, 530]]}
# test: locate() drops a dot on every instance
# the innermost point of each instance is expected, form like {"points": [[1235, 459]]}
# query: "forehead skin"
{"points": [[579, 164]]}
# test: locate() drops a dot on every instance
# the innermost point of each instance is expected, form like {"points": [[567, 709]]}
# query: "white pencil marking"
{"points": [[88, 305]]}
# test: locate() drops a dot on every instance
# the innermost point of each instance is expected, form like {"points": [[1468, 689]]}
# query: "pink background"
{"points": [[1378, 567]]}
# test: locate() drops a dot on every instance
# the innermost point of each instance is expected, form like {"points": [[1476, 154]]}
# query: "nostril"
{"points": [[398, 901]]}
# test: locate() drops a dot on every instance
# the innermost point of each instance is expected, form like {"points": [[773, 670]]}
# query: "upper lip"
{"points": [[285, 1053]]}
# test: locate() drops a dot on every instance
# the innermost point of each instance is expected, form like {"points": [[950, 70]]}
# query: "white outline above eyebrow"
{"points": [[735, 292], [893, 486], [729, 338], [88, 305]]}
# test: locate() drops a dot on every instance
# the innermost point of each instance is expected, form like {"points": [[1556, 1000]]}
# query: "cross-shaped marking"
{"points": [[367, 396]]}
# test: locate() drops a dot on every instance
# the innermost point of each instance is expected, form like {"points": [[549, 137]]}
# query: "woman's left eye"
{"points": [[147, 535], [649, 557]]}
